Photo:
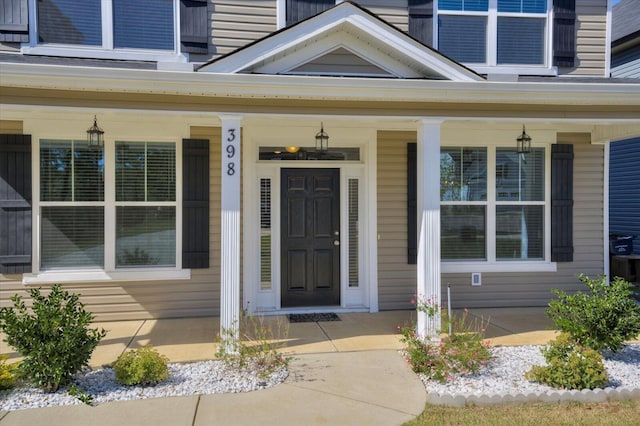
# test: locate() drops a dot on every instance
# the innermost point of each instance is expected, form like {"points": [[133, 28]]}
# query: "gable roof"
{"points": [[369, 45]]}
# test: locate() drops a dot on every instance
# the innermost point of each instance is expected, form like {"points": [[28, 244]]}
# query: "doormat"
{"points": [[330, 316]]}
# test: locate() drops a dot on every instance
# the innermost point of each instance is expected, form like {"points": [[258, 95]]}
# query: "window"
{"points": [[492, 216], [494, 32], [108, 24], [71, 205], [75, 209]]}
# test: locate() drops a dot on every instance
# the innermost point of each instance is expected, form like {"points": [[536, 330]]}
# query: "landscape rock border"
{"points": [[556, 396]]}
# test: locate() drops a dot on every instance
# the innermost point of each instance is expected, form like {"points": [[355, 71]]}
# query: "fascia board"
{"points": [[312, 87]]}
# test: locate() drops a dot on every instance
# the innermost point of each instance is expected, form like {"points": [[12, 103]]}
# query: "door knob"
{"points": [[336, 243]]}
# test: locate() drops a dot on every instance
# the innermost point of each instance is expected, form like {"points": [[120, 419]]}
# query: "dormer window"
{"points": [[107, 24]]}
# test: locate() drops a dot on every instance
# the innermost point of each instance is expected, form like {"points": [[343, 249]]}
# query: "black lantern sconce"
{"points": [[322, 139], [95, 135], [523, 143]]}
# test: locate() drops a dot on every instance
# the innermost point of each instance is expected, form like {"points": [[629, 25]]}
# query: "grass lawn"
{"points": [[608, 413]]}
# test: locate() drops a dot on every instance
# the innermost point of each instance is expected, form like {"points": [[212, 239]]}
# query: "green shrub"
{"points": [[462, 352], [142, 366], [53, 336], [570, 366], [8, 373], [601, 319]]}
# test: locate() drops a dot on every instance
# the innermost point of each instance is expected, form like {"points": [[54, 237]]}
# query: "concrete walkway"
{"points": [[344, 373]]}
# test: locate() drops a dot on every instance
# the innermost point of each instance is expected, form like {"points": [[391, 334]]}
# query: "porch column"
{"points": [[230, 232], [428, 150]]}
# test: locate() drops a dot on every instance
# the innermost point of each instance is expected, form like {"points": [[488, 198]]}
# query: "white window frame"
{"points": [[109, 273], [106, 51], [492, 264], [491, 66]]}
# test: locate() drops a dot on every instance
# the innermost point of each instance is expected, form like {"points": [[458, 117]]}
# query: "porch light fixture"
{"points": [[523, 143], [292, 149], [322, 140], [95, 135]]}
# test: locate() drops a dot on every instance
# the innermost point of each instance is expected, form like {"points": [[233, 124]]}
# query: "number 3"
{"points": [[232, 135]]}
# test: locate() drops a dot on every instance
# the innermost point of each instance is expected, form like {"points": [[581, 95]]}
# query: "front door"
{"points": [[310, 211]]}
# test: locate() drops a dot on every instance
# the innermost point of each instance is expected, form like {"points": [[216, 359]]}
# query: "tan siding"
{"points": [[397, 280], [394, 12], [13, 127], [198, 296], [341, 61], [591, 36], [235, 23]]}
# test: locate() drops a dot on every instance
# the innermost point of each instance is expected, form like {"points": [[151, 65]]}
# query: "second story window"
{"points": [[108, 24], [494, 32]]}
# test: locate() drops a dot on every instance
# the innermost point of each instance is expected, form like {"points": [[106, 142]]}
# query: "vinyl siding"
{"points": [[13, 127], [198, 296], [397, 279], [591, 37], [624, 190], [235, 23], [626, 64], [393, 12]]}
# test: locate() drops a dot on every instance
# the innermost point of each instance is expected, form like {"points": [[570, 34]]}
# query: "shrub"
{"points": [[601, 319], [142, 366], [8, 373], [53, 337], [569, 366], [255, 345], [462, 352]]}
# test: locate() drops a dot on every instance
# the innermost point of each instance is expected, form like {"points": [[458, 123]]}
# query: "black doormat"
{"points": [[330, 316]]}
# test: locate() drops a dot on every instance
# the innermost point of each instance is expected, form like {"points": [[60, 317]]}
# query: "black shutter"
{"points": [[412, 203], [14, 21], [421, 20], [15, 204], [564, 33], [561, 203], [195, 203], [297, 10], [194, 26]]}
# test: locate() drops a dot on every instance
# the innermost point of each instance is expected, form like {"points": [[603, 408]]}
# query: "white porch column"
{"points": [[428, 150], [230, 232]]}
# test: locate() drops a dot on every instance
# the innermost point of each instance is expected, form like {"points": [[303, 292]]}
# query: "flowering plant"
{"points": [[463, 352], [426, 305]]}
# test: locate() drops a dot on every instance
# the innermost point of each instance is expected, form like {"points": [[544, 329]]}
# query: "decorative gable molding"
{"points": [[345, 26]]}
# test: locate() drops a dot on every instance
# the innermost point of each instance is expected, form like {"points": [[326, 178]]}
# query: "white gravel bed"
{"points": [[196, 378], [504, 374]]}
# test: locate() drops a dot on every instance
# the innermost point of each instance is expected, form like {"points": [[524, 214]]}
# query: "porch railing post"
{"points": [[230, 229], [428, 274]]}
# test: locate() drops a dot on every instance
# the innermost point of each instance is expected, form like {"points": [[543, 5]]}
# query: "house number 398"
{"points": [[231, 151]]}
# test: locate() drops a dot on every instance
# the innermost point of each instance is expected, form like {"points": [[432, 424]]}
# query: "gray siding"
{"points": [[624, 190], [626, 64], [397, 279]]}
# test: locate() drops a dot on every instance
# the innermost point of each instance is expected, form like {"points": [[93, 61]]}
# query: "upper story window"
{"points": [[108, 24], [494, 32]]}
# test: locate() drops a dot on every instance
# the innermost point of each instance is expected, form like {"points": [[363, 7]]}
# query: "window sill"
{"points": [[104, 276], [97, 53], [468, 267], [516, 70]]}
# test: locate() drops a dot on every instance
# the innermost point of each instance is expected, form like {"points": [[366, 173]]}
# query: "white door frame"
{"points": [[361, 298]]}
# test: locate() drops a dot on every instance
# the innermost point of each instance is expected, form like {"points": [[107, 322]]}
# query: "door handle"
{"points": [[336, 242]]}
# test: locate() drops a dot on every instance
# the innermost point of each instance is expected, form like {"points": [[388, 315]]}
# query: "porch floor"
{"points": [[192, 339]]}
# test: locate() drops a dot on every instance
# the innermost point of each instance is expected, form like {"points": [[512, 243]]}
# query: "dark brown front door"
{"points": [[310, 209]]}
